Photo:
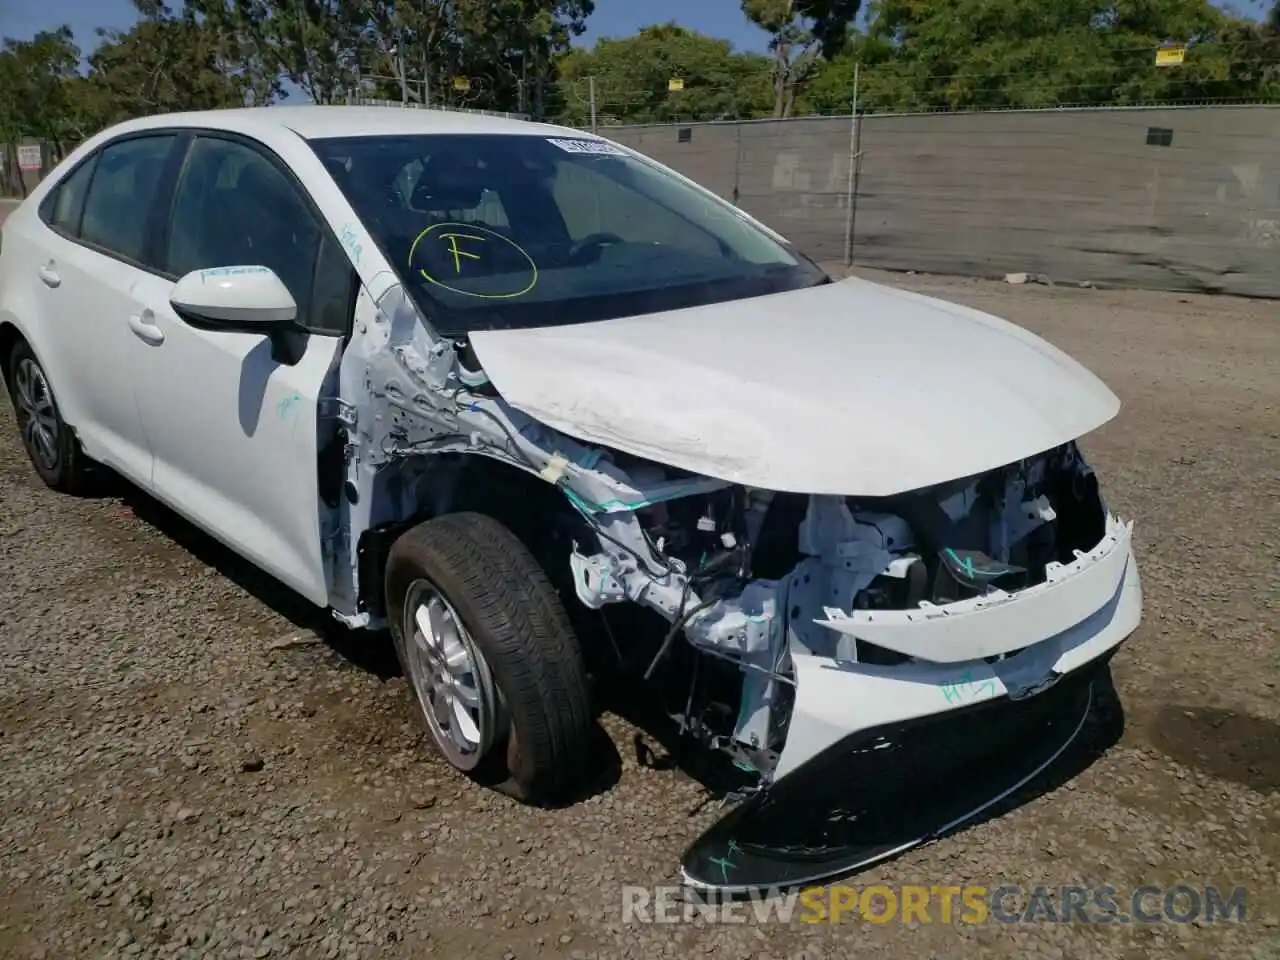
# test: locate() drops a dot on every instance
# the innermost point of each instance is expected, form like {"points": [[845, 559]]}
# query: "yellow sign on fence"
{"points": [[462, 83], [1170, 56], [675, 83]]}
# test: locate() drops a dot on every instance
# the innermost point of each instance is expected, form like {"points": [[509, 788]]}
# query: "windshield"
{"points": [[492, 231]]}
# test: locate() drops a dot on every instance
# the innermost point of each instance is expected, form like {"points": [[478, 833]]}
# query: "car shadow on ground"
{"points": [[1224, 744], [371, 652], [1103, 728], [660, 744]]}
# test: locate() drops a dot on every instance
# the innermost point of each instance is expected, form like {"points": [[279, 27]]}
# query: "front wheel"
{"points": [[492, 661]]}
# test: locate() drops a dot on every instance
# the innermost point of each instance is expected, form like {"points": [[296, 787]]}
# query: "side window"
{"points": [[64, 205], [68, 208], [233, 207], [334, 290], [591, 203], [118, 206]]}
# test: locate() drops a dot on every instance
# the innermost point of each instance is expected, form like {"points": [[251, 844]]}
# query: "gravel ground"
{"points": [[186, 769]]}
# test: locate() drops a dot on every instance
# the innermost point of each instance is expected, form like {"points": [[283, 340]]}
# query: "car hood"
{"points": [[849, 388]]}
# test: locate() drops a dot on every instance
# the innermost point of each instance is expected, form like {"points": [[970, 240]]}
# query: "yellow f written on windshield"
{"points": [[456, 252]]}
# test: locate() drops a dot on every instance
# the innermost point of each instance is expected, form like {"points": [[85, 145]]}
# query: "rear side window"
{"points": [[118, 207], [66, 205], [69, 207]]}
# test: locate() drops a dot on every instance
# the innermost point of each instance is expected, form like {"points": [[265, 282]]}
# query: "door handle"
{"points": [[49, 276], [145, 330]]}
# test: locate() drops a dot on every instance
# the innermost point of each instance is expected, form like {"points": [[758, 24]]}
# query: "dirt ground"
{"points": [[186, 771]]}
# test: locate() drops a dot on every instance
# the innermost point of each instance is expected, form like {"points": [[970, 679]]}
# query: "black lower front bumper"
{"points": [[889, 788]]}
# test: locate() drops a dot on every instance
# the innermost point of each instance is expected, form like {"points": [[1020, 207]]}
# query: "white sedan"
{"points": [[549, 410]]}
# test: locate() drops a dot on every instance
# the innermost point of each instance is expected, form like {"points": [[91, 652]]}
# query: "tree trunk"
{"points": [[13, 171], [781, 77], [782, 63]]}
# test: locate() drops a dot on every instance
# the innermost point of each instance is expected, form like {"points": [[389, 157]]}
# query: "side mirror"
{"points": [[247, 299]]}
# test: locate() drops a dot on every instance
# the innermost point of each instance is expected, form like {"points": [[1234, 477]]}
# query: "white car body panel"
{"points": [[999, 623], [70, 291], [235, 438], [837, 698], [850, 388]]}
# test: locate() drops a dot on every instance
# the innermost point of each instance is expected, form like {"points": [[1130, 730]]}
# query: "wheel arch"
{"points": [[10, 337], [12, 332], [536, 511]]}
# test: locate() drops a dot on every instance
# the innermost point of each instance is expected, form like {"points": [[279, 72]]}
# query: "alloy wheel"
{"points": [[451, 678], [37, 416]]}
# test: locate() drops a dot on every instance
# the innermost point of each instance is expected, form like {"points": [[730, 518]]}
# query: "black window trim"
{"points": [[160, 221]]}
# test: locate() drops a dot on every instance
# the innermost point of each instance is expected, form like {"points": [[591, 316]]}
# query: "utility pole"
{"points": [[402, 69], [855, 160], [591, 86]]}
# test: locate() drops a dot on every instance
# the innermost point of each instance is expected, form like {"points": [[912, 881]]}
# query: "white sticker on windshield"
{"points": [[598, 147]]}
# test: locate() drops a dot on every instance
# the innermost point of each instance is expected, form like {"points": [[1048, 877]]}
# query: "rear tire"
{"points": [[51, 445], [491, 659]]}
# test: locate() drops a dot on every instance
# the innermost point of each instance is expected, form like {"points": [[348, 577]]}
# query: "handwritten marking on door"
{"points": [[287, 404]]}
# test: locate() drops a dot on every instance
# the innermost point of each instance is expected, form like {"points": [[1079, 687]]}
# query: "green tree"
{"points": [[801, 32], [166, 63], [498, 54], [882, 77], [982, 54], [315, 44], [632, 76], [38, 93]]}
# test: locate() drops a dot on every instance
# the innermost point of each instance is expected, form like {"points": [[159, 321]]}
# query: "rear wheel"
{"points": [[492, 661], [50, 444]]}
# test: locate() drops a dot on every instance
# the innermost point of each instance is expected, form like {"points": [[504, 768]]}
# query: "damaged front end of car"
{"points": [[848, 653]]}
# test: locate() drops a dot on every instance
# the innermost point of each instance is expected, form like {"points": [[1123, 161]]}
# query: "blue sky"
{"points": [[723, 18]]}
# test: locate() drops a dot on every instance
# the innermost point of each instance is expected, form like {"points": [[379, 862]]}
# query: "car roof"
{"points": [[313, 122]]}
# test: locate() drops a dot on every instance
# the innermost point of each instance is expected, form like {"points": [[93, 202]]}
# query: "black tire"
{"points": [[514, 616], [65, 467]]}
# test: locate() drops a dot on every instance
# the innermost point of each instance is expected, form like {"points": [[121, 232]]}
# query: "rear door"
{"points": [[95, 247], [236, 433]]}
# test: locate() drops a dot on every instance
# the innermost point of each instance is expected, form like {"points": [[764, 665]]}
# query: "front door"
{"points": [[235, 432]]}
